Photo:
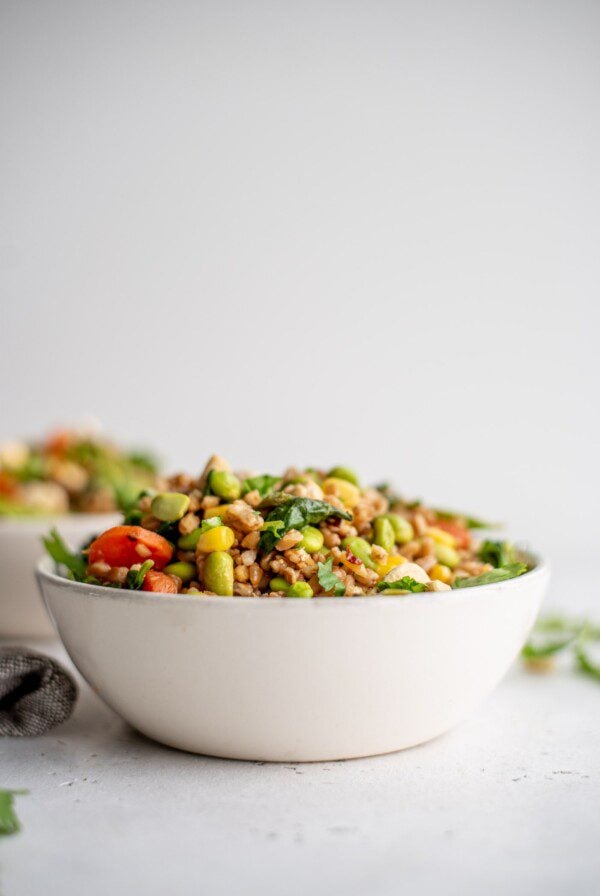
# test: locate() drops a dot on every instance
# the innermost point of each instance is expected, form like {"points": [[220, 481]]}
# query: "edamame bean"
{"points": [[403, 531], [169, 506], [299, 589], [312, 539], [344, 473], [185, 571], [278, 584], [361, 548], [446, 555], [383, 534], [224, 484], [218, 573]]}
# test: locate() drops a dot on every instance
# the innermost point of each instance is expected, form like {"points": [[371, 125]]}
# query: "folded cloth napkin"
{"points": [[36, 694]]}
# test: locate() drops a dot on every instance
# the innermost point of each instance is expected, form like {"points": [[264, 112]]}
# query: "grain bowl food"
{"points": [[303, 534], [70, 472]]}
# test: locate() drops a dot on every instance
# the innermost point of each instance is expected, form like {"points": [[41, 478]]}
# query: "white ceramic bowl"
{"points": [[22, 613], [293, 680]]}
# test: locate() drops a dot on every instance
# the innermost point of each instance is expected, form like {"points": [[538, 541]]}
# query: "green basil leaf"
{"points": [[498, 553], [264, 485], [494, 575], [295, 513], [9, 823]]}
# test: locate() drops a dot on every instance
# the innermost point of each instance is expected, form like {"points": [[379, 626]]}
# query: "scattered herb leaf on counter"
{"points": [[406, 583], [554, 634], [328, 579], [9, 823], [62, 554], [494, 575], [296, 513]]}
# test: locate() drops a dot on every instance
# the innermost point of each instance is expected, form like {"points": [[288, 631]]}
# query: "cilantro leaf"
{"points": [[275, 527], [61, 554], [406, 583], [498, 553], [494, 575], [295, 513], [9, 823], [135, 577], [328, 579], [262, 484]]}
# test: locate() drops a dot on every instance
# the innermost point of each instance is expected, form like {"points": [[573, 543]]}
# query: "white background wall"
{"points": [[322, 232]]}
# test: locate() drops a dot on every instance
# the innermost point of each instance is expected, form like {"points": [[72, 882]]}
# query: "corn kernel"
{"points": [[393, 560], [441, 573], [441, 537], [342, 489], [221, 538], [220, 510]]}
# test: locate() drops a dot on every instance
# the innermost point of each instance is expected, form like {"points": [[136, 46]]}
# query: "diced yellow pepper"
{"points": [[441, 537], [220, 510], [342, 489], [441, 573], [393, 560], [221, 538]]}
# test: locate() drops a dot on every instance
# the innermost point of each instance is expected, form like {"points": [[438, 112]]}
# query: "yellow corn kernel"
{"points": [[220, 510], [342, 489], [221, 538], [393, 560], [441, 537], [441, 573]]}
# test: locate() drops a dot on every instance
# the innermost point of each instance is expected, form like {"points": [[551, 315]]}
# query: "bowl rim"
{"points": [[44, 571]]}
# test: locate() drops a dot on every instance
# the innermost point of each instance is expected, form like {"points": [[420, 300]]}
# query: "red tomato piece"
{"points": [[119, 547], [159, 582]]}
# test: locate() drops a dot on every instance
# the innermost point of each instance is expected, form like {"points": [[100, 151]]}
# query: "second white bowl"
{"points": [[22, 613]]}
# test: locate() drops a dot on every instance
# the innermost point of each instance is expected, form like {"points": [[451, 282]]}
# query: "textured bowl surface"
{"points": [[293, 680], [22, 613]]}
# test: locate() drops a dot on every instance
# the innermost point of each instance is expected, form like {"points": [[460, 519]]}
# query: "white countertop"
{"points": [[508, 802]]}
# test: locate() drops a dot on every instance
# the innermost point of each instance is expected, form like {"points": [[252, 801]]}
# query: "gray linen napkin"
{"points": [[36, 694]]}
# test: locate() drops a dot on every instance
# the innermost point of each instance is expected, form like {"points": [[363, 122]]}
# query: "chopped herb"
{"points": [[9, 823], [60, 553], [471, 522], [135, 577], [585, 664], [406, 583], [328, 579], [264, 485], [498, 553], [211, 523], [295, 513], [276, 527], [494, 575], [553, 634]]}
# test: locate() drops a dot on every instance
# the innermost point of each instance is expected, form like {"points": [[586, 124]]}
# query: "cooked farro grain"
{"points": [[306, 533]]}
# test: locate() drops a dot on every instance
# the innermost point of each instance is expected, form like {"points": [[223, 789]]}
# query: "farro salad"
{"points": [[306, 533], [70, 472]]}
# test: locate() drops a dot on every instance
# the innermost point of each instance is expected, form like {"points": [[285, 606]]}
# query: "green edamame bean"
{"points": [[299, 589], [403, 531], [312, 539], [344, 473], [383, 534], [185, 571], [169, 506], [278, 584], [188, 542], [361, 548], [218, 573], [446, 555], [224, 484]]}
